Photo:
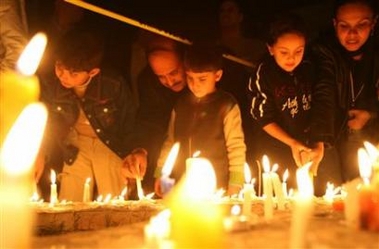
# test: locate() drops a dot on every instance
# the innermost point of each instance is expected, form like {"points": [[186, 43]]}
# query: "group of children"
{"points": [[92, 112]]}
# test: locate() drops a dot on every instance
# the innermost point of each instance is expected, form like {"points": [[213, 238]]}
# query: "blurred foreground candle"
{"points": [[236, 222], [22, 123], [166, 182], [196, 220], [303, 208], [267, 189], [18, 89], [16, 160]]}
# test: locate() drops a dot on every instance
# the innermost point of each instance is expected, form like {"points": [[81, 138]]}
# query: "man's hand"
{"points": [[135, 164], [358, 119]]}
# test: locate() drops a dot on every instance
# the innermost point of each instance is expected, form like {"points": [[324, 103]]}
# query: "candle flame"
{"points": [[372, 151], [266, 164], [253, 181], [364, 164], [200, 181], [53, 176], [247, 173], [170, 161], [88, 180], [236, 210], [30, 124], [285, 175], [275, 167], [196, 154], [30, 58], [124, 191], [304, 180]]}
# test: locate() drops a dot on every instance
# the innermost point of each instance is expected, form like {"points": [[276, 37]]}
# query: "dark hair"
{"points": [[286, 23], [80, 49], [372, 4], [203, 57]]}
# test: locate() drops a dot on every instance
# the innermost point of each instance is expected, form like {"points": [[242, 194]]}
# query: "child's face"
{"points": [[71, 79], [288, 51], [203, 83], [353, 25]]}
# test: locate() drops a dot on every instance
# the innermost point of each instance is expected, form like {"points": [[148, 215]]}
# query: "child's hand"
{"points": [[135, 164], [358, 119], [157, 187], [316, 155], [298, 149]]}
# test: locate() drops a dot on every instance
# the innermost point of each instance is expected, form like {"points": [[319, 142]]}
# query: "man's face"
{"points": [[353, 25], [169, 69]]}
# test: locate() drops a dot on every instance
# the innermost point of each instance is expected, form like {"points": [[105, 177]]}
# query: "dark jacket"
{"points": [[336, 69], [108, 105], [287, 99]]}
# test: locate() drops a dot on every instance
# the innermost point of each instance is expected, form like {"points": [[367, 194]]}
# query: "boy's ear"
{"points": [[269, 49], [94, 72], [219, 74]]}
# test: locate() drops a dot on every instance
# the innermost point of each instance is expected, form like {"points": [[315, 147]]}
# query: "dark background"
{"points": [[189, 19]]}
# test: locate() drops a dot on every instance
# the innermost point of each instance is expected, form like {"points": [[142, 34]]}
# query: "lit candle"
{"points": [[277, 188], [236, 222], [368, 196], [53, 188], [267, 189], [303, 208], [166, 182], [192, 160], [86, 190], [193, 213], [20, 88], [16, 181], [247, 191], [284, 183], [20, 118], [158, 230]]}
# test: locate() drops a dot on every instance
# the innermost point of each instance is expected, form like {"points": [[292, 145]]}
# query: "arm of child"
{"points": [[236, 149], [297, 148]]}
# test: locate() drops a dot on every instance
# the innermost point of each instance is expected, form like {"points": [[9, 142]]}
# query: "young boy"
{"points": [[207, 120], [91, 115]]}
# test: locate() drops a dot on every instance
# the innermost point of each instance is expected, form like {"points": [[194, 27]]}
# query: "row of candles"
{"points": [[26, 118]]}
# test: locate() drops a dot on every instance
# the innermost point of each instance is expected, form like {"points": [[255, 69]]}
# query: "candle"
{"points": [[158, 230], [86, 190], [20, 118], [277, 188], [236, 222], [284, 183], [368, 196], [196, 220], [18, 89], [166, 182], [303, 208], [247, 191], [53, 188], [267, 189], [16, 184]]}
